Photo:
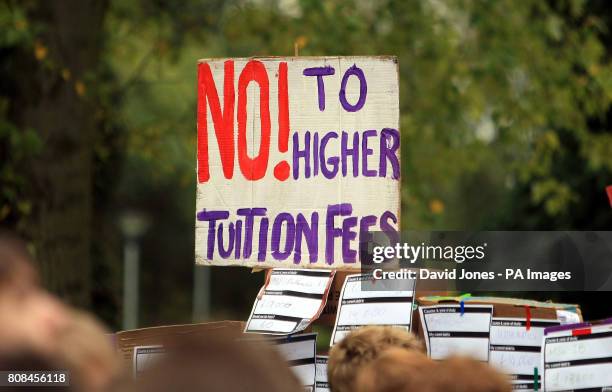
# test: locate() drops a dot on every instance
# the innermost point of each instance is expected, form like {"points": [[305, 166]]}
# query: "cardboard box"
{"points": [[125, 341]]}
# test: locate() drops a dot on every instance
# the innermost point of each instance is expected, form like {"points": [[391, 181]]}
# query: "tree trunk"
{"points": [[57, 100]]}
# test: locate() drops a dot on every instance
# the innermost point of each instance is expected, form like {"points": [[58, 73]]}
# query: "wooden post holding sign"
{"points": [[297, 157]]}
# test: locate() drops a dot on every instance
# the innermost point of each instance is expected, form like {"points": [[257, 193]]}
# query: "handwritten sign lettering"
{"points": [[449, 330], [578, 359], [297, 158], [289, 301], [516, 348], [362, 302]]}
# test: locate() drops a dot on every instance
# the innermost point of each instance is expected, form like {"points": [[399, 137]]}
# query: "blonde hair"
{"points": [[397, 370], [462, 374], [361, 347]]}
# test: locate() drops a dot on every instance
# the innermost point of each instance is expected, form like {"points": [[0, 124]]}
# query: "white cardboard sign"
{"points": [[297, 157], [300, 353], [289, 300], [322, 384], [516, 349], [578, 359], [367, 302], [449, 330]]}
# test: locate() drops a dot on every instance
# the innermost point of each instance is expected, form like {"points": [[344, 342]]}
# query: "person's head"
{"points": [[23, 359], [397, 370], [462, 374], [29, 316], [359, 348], [219, 364], [86, 349]]}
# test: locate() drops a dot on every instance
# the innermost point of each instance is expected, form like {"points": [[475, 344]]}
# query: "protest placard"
{"points": [[322, 385], [300, 352], [457, 329], [367, 302], [289, 300], [577, 357], [298, 158], [423, 289], [515, 345]]}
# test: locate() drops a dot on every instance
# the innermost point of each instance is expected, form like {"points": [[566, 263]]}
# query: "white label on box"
{"points": [[567, 317], [145, 356]]}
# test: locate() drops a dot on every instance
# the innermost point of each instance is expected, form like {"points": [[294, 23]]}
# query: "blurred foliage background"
{"points": [[505, 122]]}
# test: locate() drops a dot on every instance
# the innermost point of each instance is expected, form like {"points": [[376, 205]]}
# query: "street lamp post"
{"points": [[133, 225], [201, 293]]}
